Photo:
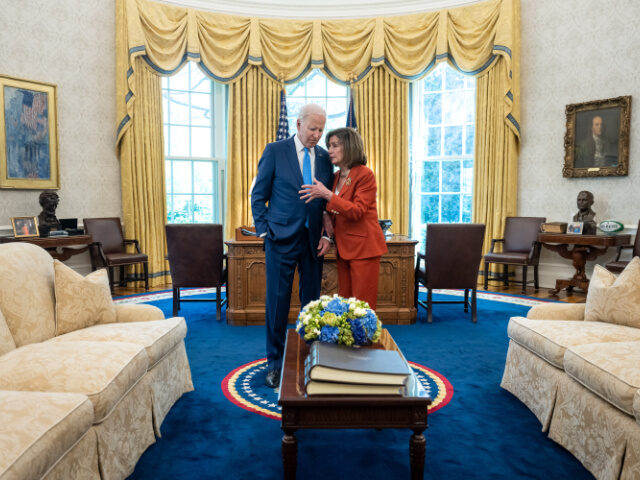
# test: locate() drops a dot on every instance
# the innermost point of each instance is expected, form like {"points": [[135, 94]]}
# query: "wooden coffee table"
{"points": [[347, 411]]}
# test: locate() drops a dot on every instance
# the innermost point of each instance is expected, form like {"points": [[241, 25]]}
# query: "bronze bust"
{"points": [[49, 202], [585, 214]]}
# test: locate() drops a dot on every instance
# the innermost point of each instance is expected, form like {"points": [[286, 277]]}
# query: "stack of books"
{"points": [[337, 370]]}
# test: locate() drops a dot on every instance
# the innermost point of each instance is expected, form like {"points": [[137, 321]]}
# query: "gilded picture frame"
{"points": [[28, 134], [596, 143], [25, 226]]}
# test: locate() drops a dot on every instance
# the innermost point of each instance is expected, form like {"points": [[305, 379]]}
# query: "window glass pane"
{"points": [[200, 142], [295, 90], [166, 139], [433, 145], [433, 81], [182, 209], [431, 177], [203, 177], [451, 176], [201, 109], [316, 84], [167, 175], [180, 80], [335, 89], [454, 112], [453, 79], [470, 131], [433, 108], [199, 81], [179, 141], [453, 140], [466, 208], [467, 176], [430, 208], [450, 208], [179, 108], [203, 209], [181, 176], [470, 105], [165, 105]]}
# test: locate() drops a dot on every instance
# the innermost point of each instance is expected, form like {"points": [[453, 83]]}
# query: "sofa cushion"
{"points": [[81, 301], [103, 371], [615, 299], [636, 406], [26, 292], [6, 339], [37, 429], [550, 338], [610, 370], [158, 337]]}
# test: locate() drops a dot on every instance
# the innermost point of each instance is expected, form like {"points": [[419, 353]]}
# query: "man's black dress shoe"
{"points": [[273, 378]]}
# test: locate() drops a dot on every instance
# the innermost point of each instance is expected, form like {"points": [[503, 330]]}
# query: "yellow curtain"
{"points": [[142, 170], [254, 105], [474, 38], [383, 121], [496, 157]]}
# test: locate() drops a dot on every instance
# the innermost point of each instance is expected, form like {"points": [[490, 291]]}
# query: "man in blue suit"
{"points": [[292, 229]]}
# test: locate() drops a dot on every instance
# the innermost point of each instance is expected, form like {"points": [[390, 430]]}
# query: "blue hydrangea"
{"points": [[301, 332], [370, 323], [329, 334], [337, 306], [359, 333]]}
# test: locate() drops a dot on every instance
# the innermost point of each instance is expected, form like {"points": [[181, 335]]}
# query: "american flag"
{"points": [[33, 106], [351, 113], [283, 124]]}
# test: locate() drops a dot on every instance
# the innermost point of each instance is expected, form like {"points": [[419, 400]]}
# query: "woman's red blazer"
{"points": [[357, 232]]}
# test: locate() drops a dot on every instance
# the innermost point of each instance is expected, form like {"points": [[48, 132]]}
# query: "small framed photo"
{"points": [[596, 142], [25, 226], [575, 227]]}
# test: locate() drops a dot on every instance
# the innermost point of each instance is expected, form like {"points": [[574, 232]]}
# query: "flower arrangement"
{"points": [[334, 319]]}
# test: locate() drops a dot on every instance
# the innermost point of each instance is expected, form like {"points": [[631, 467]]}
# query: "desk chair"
{"points": [[451, 260], [109, 249], [196, 259]]}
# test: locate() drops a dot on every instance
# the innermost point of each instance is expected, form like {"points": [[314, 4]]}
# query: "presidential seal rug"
{"points": [[245, 388], [228, 427]]}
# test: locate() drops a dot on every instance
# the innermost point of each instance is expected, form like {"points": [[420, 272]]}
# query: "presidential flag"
{"points": [[283, 123], [351, 113]]}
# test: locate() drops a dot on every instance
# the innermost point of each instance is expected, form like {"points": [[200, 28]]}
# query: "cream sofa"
{"points": [[581, 379], [87, 402]]}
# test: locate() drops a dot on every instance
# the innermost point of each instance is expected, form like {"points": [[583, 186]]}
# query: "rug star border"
{"points": [[245, 388]]}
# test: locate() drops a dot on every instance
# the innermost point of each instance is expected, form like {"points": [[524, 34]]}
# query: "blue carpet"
{"points": [[484, 432]]}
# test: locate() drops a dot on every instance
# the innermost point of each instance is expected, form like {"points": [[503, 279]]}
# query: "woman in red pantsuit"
{"points": [[352, 205]]}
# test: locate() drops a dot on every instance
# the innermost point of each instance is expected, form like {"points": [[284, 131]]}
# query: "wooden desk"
{"points": [[584, 247], [246, 284], [347, 411], [58, 247]]}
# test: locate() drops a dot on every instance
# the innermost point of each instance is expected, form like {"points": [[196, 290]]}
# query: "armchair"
{"points": [[451, 260], [109, 249], [196, 259], [618, 265], [520, 247]]}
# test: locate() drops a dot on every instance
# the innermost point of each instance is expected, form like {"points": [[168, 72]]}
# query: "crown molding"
{"points": [[310, 9]]}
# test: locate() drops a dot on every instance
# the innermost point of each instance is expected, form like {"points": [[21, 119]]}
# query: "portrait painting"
{"points": [[28, 134], [597, 138], [25, 226]]}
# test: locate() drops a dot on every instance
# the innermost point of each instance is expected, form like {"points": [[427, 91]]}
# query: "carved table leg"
{"points": [[289, 454], [417, 449]]}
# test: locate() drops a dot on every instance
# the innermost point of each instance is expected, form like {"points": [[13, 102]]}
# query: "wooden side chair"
{"points": [[108, 249], [618, 265], [520, 247], [451, 260], [196, 259]]}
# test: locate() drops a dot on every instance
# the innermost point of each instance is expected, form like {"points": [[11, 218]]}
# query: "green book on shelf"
{"points": [[334, 388], [336, 363]]}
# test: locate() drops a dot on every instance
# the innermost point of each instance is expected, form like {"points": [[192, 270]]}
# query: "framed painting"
{"points": [[596, 143], [28, 134], [25, 226]]}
